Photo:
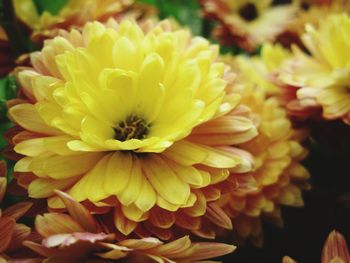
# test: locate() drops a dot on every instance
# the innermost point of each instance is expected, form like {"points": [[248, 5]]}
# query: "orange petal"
{"points": [[54, 223], [208, 250], [20, 233], [7, 226], [78, 212], [216, 215], [18, 210], [123, 224]]}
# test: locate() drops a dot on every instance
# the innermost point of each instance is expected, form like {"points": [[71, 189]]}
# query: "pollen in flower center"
{"points": [[248, 12], [133, 127]]}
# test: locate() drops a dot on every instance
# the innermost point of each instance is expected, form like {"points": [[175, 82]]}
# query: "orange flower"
{"points": [[278, 176], [79, 235], [321, 76], [76, 13], [335, 250], [311, 12], [248, 23], [11, 234]]}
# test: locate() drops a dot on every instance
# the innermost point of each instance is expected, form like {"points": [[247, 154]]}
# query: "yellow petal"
{"points": [[118, 173], [165, 181], [27, 116]]}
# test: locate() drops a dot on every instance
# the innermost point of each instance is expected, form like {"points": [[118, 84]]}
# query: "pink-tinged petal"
{"points": [[18, 210], [335, 249], [7, 226], [64, 240], [54, 223], [217, 216], [78, 212]]}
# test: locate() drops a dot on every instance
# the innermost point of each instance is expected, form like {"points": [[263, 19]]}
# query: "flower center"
{"points": [[133, 127], [305, 6], [248, 12]]}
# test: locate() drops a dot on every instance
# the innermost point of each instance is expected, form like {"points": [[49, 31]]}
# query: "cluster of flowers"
{"points": [[132, 136]]}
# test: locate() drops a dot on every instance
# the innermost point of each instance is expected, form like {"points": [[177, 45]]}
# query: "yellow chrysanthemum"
{"points": [[310, 12], [324, 76], [263, 71], [133, 120], [278, 175], [314, 11], [248, 23], [73, 14]]}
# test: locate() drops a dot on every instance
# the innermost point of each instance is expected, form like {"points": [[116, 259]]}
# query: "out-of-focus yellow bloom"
{"points": [[78, 236], [323, 78], [248, 23], [263, 69], [279, 177], [12, 234], [314, 11], [75, 14], [139, 122]]}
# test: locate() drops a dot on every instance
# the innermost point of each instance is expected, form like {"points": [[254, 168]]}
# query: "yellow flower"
{"points": [[279, 177], [248, 23], [73, 14], [130, 120], [310, 12], [324, 77], [78, 236]]}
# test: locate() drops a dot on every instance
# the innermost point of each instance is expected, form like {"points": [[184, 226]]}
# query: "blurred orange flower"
{"points": [[12, 234], [79, 236]]}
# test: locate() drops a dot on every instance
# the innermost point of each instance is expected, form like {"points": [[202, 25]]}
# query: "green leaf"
{"points": [[8, 90], [8, 87], [185, 11], [4, 126], [150, 2], [52, 6]]}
